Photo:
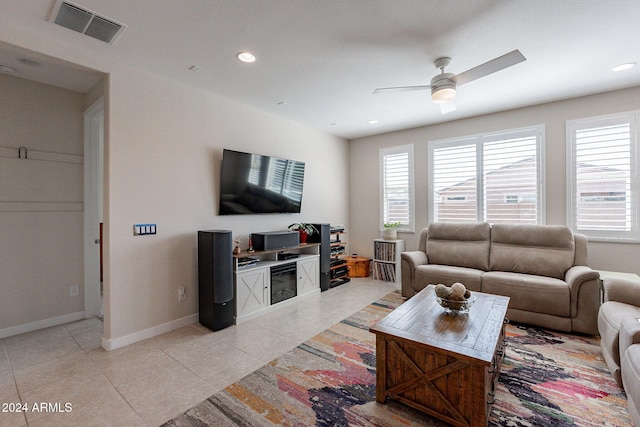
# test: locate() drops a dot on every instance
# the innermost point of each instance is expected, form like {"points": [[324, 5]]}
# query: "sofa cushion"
{"points": [[538, 294], [433, 274], [541, 250], [460, 245]]}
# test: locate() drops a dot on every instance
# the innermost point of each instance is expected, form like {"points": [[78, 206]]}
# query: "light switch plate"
{"points": [[144, 229]]}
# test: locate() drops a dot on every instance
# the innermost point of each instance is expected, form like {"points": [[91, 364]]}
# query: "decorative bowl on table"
{"points": [[456, 306]]}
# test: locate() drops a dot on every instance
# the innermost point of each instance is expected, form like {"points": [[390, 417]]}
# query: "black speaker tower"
{"points": [[215, 279]]}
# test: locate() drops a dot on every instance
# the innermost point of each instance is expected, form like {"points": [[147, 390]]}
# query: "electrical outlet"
{"points": [[182, 294], [74, 291]]}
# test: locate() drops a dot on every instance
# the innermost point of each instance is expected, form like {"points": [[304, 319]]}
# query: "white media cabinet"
{"points": [[253, 281]]}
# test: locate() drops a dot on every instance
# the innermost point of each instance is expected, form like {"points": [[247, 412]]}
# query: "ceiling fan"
{"points": [[443, 86]]}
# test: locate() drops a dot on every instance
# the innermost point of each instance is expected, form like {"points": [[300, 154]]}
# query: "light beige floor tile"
{"points": [[163, 393], [39, 346], [12, 419], [8, 392], [208, 358], [136, 353], [111, 410], [127, 367], [87, 333], [91, 324], [234, 372], [179, 337], [73, 364], [261, 343], [71, 389]]}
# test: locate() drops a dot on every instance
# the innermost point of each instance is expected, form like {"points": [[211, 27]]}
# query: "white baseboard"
{"points": [[41, 324], [115, 343]]}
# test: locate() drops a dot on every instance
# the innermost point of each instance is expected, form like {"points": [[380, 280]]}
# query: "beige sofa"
{"points": [[619, 329], [542, 268]]}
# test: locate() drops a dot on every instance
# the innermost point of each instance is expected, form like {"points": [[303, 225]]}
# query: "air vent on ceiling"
{"points": [[86, 22]]}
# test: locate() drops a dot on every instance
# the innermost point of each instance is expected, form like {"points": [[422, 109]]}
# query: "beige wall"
{"points": [[40, 202], [162, 163], [164, 152], [364, 175]]}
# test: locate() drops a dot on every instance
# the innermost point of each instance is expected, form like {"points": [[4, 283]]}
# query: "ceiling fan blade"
{"points": [[400, 89], [500, 63], [447, 107]]}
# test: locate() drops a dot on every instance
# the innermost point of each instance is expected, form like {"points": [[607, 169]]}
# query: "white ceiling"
{"points": [[323, 59]]}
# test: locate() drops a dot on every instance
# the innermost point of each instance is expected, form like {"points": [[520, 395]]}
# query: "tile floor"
{"points": [[152, 381]]}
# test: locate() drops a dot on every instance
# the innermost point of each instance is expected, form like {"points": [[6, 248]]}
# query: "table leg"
{"points": [[381, 369]]}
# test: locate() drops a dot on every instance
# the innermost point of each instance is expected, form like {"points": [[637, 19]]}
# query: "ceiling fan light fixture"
{"points": [[443, 94]]}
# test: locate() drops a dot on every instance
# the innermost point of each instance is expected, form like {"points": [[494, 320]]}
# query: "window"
{"points": [[494, 177], [396, 186], [602, 165]]}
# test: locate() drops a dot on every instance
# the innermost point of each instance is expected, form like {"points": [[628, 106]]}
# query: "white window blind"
{"points": [[602, 181], [489, 177], [396, 184]]}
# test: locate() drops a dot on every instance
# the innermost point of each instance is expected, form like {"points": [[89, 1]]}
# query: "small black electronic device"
{"points": [[270, 240]]}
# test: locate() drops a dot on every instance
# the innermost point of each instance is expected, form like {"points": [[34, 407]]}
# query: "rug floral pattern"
{"points": [[547, 379]]}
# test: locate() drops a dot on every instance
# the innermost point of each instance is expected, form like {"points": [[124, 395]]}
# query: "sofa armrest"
{"points": [[629, 333], [622, 290], [584, 288], [409, 262]]}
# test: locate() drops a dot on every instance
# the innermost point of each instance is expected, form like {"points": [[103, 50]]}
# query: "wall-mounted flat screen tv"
{"points": [[257, 184]]}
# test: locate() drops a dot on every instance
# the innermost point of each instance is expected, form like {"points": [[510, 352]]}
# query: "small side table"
{"points": [[358, 265]]}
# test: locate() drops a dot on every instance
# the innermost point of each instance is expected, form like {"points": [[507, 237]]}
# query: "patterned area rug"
{"points": [[547, 379]]}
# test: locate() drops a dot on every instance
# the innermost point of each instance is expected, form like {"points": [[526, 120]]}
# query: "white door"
{"points": [[93, 172]]}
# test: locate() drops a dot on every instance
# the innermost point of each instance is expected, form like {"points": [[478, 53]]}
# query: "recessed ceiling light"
{"points": [[195, 68], [246, 57], [372, 122], [624, 66]]}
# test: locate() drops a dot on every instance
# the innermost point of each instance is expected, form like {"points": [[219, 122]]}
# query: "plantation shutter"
{"points": [[489, 177], [511, 181], [396, 186], [454, 179], [603, 172]]}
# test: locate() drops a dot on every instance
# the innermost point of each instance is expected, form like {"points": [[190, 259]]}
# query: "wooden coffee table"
{"points": [[442, 364]]}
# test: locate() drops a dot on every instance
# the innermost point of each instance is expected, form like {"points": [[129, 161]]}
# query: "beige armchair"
{"points": [[619, 327]]}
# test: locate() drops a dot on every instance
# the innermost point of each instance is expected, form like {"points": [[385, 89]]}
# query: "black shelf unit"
{"points": [[333, 270]]}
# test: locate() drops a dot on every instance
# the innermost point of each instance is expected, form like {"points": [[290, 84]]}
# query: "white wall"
{"points": [[364, 175], [163, 146], [40, 203]]}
